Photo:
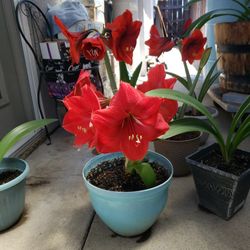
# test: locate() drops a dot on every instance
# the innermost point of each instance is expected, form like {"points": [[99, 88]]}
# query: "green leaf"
{"points": [[19, 132], [135, 75], [144, 170], [178, 96], [124, 75], [207, 85], [146, 173], [205, 57], [208, 81], [199, 22], [245, 8], [182, 80], [242, 133], [237, 118], [189, 100], [185, 125]]}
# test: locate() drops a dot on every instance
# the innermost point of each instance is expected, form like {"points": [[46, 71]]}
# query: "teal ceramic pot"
{"points": [[12, 193], [128, 213]]}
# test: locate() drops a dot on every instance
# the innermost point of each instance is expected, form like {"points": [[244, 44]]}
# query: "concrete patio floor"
{"points": [[58, 214]]}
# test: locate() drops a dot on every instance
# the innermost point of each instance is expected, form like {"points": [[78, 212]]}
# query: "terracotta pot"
{"points": [[176, 151]]}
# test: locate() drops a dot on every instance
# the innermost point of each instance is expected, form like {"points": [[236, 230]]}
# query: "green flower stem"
{"points": [[110, 73]]}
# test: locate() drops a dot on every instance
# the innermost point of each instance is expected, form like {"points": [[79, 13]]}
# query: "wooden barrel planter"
{"points": [[233, 48]]}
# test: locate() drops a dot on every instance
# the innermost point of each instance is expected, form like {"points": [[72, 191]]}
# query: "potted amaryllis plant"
{"points": [[13, 172], [127, 184], [191, 47], [221, 172]]}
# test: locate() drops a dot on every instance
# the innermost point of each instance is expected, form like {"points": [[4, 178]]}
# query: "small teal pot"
{"points": [[128, 213], [12, 193]]}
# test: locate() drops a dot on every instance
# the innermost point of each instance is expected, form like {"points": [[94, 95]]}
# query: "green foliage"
{"points": [[16, 134], [208, 81], [124, 74], [237, 132], [135, 75], [202, 20], [190, 84], [144, 170], [182, 80]]}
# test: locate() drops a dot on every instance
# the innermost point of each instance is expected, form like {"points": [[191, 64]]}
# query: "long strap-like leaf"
{"points": [[208, 81], [124, 75], [19, 132], [185, 125], [240, 135], [236, 120], [135, 75], [189, 100], [182, 80]]}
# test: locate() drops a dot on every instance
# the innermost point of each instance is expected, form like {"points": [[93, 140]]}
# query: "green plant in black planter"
{"points": [[221, 171], [13, 172]]}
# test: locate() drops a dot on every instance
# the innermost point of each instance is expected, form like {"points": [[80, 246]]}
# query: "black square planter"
{"points": [[220, 192]]}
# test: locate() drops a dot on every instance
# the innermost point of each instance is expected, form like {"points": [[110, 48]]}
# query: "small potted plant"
{"points": [[127, 184], [221, 172], [13, 173], [191, 48]]}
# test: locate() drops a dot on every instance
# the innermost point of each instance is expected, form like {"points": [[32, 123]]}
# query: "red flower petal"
{"points": [[124, 33], [156, 80], [193, 46], [72, 37], [158, 44], [93, 48], [78, 119], [130, 123], [168, 109]]}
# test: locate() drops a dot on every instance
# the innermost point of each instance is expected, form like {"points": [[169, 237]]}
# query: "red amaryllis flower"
{"points": [[78, 119], [84, 79], [124, 33], [129, 124], [193, 46], [93, 48], [73, 38], [156, 80], [158, 44]]}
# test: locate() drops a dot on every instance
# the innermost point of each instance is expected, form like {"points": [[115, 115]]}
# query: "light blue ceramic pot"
{"points": [[12, 193], [128, 213]]}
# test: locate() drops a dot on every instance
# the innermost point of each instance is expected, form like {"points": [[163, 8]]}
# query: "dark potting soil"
{"points": [[110, 175], [7, 176], [185, 136], [193, 113], [239, 163]]}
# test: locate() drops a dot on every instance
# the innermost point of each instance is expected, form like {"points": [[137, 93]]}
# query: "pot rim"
{"points": [[212, 169], [129, 192], [212, 110], [19, 178]]}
